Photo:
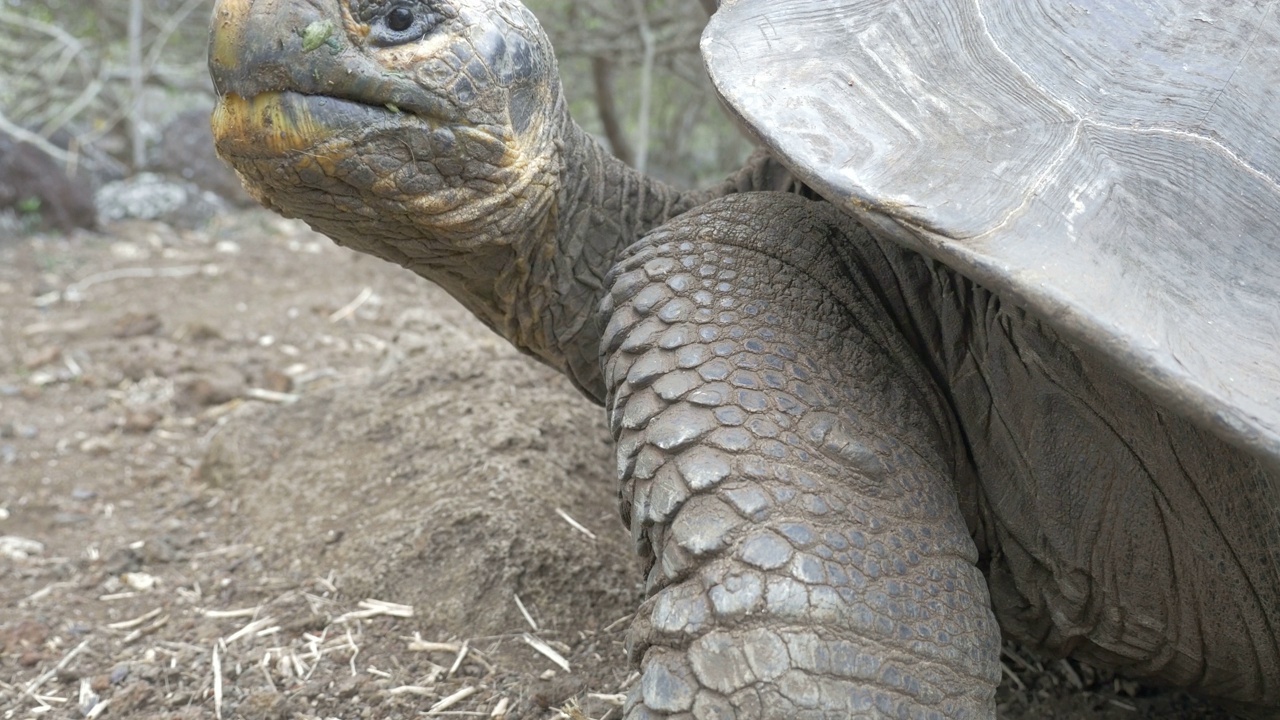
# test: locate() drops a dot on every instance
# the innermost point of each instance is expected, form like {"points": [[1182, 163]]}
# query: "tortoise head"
{"points": [[409, 129]]}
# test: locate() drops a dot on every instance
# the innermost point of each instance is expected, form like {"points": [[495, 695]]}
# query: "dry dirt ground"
{"points": [[247, 474]]}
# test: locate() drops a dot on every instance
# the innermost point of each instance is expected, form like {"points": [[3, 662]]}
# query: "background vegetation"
{"points": [[92, 82]]}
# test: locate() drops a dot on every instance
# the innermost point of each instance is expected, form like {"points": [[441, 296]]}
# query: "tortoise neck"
{"points": [[536, 274], [602, 207]]}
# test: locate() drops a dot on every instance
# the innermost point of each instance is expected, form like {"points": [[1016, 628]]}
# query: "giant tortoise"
{"points": [[986, 343]]}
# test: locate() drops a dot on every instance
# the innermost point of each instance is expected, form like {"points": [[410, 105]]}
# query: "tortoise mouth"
{"points": [[285, 123]]}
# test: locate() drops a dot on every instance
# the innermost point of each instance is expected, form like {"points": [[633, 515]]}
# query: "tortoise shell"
{"points": [[1111, 166]]}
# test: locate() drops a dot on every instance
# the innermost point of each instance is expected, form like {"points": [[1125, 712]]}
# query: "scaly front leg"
{"points": [[786, 467]]}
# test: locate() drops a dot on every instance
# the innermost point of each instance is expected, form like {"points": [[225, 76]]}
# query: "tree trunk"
{"points": [[646, 87], [607, 107], [136, 140]]}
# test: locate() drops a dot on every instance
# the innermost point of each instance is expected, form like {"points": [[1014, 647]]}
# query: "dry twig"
{"points": [[542, 647], [452, 700], [527, 617], [217, 683], [373, 608], [575, 524]]}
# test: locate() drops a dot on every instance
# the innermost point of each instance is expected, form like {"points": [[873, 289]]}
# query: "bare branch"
{"points": [[607, 106], [646, 86]]}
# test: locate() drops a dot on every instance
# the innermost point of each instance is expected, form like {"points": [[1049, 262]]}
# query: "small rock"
{"points": [[213, 388], [26, 634], [99, 683], [122, 561], [119, 673], [141, 422], [19, 548], [63, 201], [158, 551], [9, 431], [132, 325], [129, 251], [219, 466], [265, 705], [97, 446], [83, 494], [131, 698], [149, 196], [349, 687], [197, 332], [41, 378], [30, 658], [276, 381], [148, 672], [139, 580], [41, 356], [306, 623], [69, 518]]}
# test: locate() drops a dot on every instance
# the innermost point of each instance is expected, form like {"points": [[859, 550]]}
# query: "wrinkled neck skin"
{"points": [[604, 207], [539, 284]]}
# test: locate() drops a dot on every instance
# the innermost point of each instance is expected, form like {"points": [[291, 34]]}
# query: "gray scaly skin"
{"points": [[825, 441], [454, 156], [789, 463]]}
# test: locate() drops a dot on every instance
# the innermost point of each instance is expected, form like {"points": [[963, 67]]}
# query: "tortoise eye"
{"points": [[400, 19], [403, 22]]}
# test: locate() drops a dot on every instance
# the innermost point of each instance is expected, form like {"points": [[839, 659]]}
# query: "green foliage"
{"points": [[29, 206]]}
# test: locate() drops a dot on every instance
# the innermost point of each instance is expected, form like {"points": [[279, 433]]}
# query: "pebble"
{"points": [[216, 387], [132, 325], [97, 446], [18, 430], [19, 548], [141, 422], [41, 357]]}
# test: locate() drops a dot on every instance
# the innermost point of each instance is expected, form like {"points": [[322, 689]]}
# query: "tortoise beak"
{"points": [[288, 76], [256, 53], [259, 46]]}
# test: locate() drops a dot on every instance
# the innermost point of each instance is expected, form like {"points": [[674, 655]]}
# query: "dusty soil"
{"points": [[247, 474]]}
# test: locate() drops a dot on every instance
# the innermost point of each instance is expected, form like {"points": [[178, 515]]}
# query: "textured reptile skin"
{"points": [[787, 470], [811, 423], [810, 426]]}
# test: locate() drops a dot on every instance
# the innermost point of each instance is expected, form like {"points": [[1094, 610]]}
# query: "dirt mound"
{"points": [[440, 484]]}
